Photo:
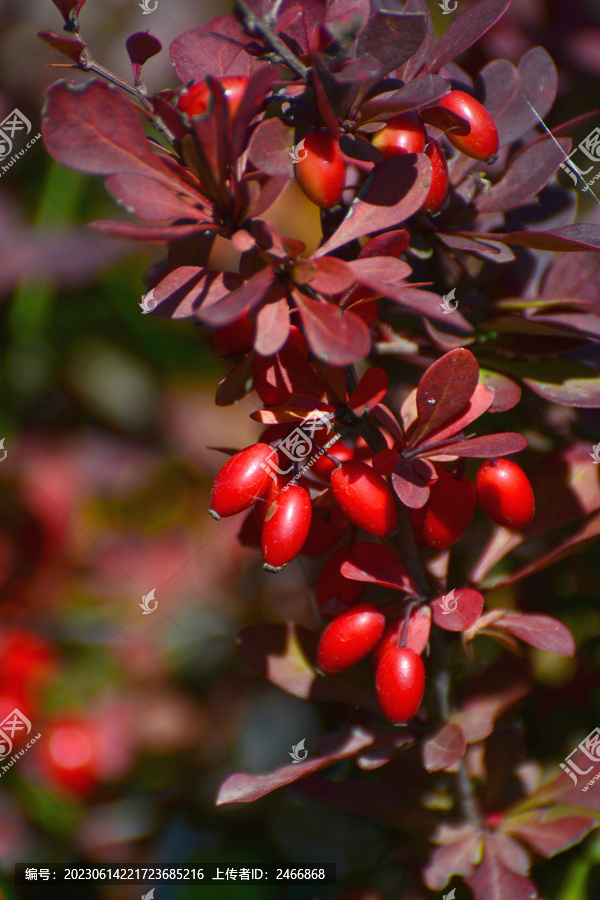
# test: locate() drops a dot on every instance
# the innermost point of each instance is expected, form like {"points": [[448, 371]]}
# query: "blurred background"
{"points": [[107, 419]]}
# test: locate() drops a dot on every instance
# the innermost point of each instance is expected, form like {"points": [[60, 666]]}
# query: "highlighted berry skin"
{"points": [[241, 481], [286, 527], [505, 493], [364, 497], [438, 190], [349, 638], [482, 140], [322, 172], [400, 684], [194, 101], [402, 134], [448, 512]]}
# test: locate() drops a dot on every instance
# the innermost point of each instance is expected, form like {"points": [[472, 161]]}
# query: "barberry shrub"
{"points": [[324, 94]]}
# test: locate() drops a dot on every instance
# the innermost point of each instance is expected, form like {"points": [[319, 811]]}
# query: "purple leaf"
{"points": [[236, 384], [141, 47], [377, 564], [465, 30], [543, 632], [479, 403], [478, 714], [332, 275], [245, 788], [566, 382], [68, 46], [566, 487], [482, 246], [410, 481], [92, 128], [488, 445], [270, 146], [177, 293], [216, 48], [149, 232], [396, 189], [444, 749], [549, 832], [460, 846], [426, 303], [358, 147], [493, 880], [392, 37], [423, 91], [528, 173], [272, 327], [338, 337], [507, 392], [227, 309], [444, 391], [457, 610], [148, 199], [573, 275], [580, 236], [69, 9], [413, 66], [370, 391]]}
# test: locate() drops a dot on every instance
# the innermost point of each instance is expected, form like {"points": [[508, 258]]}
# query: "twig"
{"points": [[254, 23]]}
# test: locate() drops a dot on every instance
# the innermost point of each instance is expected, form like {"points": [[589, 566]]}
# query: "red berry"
{"points": [[505, 493], [349, 638], [327, 526], [69, 755], [234, 339], [482, 140], [241, 481], [400, 684], [195, 99], [321, 172], [438, 190], [286, 527], [364, 497], [402, 134], [323, 467], [334, 592], [416, 638], [448, 512]]}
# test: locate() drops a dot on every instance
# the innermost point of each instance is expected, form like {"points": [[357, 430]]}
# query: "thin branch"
{"points": [[254, 23]]}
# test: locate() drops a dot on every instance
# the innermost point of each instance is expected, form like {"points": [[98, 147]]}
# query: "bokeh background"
{"points": [[108, 418]]}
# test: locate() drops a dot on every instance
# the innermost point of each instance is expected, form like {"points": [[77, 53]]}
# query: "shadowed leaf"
{"points": [[444, 749], [465, 30], [543, 632], [457, 610], [338, 337], [444, 391]]}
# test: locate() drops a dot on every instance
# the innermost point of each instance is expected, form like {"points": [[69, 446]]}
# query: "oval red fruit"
{"points": [[505, 493], [286, 527], [349, 638], [448, 512], [334, 592], [482, 140], [320, 170], [364, 497], [400, 684], [195, 99], [322, 466], [438, 190], [241, 481], [402, 134]]}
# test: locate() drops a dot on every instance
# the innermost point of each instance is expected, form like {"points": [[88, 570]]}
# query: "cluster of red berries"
{"points": [[321, 166], [400, 673]]}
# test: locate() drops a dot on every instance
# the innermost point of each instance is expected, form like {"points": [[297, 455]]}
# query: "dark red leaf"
{"points": [[141, 47], [392, 37], [370, 390], [543, 632], [527, 174], [465, 30], [444, 391], [216, 48], [457, 610], [338, 337], [444, 749], [229, 308], [479, 403], [478, 714], [410, 481], [566, 381], [377, 564], [426, 303], [392, 243], [424, 90], [493, 880], [507, 392], [484, 447], [91, 127], [566, 487], [69, 9], [69, 46], [272, 327], [413, 66], [395, 190], [236, 384], [358, 147], [332, 276], [549, 832], [580, 236], [459, 848], [479, 246], [245, 788], [176, 294], [148, 199]]}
